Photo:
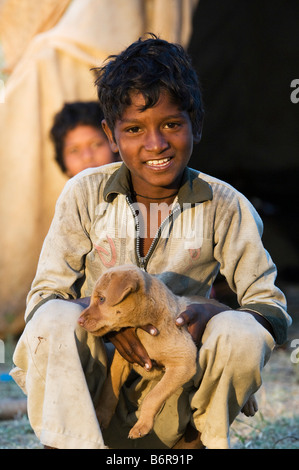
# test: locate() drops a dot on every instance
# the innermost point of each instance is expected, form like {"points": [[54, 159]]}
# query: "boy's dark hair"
{"points": [[149, 65], [86, 113]]}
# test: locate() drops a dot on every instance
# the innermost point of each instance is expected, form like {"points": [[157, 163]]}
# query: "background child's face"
{"points": [[155, 144], [85, 147]]}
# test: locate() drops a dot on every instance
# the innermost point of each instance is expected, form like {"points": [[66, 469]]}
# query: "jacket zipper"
{"points": [[143, 260]]}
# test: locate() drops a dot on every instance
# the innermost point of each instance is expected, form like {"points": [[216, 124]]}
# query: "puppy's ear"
{"points": [[120, 286]]}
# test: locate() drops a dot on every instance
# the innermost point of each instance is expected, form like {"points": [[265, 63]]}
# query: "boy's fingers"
{"points": [[182, 319], [137, 354], [129, 346], [151, 329]]}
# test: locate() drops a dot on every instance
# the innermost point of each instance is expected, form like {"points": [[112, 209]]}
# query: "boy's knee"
{"points": [[238, 337], [56, 315]]}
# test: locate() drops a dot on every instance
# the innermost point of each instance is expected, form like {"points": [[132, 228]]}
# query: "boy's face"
{"points": [[155, 144]]}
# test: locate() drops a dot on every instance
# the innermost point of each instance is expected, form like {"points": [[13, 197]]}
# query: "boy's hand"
{"points": [[129, 346], [196, 317]]}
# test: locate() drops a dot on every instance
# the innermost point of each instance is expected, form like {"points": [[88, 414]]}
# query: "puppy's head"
{"points": [[114, 302]]}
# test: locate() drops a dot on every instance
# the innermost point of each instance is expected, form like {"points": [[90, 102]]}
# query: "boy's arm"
{"points": [[196, 317], [62, 258], [248, 268]]}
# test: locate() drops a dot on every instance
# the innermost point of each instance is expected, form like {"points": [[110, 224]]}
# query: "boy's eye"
{"points": [[172, 125], [133, 130]]}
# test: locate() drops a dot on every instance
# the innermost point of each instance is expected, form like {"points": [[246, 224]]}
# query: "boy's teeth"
{"points": [[158, 162]]}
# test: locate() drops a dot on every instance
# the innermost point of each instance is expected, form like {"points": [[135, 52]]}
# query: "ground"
{"points": [[275, 426]]}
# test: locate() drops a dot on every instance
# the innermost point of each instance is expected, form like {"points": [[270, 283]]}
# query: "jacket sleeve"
{"points": [[61, 266], [247, 266]]}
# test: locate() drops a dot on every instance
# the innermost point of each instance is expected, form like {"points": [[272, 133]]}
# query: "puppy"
{"points": [[126, 296]]}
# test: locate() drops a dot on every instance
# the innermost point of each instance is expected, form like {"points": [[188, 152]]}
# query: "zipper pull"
{"points": [[142, 263]]}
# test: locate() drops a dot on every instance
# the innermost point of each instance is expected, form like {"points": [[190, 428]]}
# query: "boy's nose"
{"points": [[155, 142]]}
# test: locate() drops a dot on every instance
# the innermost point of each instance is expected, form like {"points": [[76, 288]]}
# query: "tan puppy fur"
{"points": [[126, 296]]}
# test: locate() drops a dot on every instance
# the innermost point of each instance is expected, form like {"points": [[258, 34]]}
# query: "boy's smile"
{"points": [[155, 144]]}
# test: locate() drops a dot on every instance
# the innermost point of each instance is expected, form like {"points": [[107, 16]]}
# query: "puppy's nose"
{"points": [[83, 317]]}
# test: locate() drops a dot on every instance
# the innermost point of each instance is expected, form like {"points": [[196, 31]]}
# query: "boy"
{"points": [[177, 223], [79, 139]]}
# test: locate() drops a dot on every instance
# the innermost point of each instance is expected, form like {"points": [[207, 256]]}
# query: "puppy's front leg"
{"points": [[118, 374]]}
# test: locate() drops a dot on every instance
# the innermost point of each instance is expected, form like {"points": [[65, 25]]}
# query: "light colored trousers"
{"points": [[61, 368]]}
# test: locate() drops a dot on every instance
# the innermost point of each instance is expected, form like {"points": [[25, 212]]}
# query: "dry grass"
{"points": [[276, 425]]}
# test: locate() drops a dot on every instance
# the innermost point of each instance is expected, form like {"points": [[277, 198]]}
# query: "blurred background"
{"points": [[246, 55]]}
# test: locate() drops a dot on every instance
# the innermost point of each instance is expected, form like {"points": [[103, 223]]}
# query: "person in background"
{"points": [[79, 139]]}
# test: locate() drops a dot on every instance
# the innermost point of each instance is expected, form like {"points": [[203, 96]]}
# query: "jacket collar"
{"points": [[193, 189]]}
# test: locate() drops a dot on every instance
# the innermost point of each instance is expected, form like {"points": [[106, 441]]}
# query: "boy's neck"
{"points": [[168, 199], [147, 196], [151, 213]]}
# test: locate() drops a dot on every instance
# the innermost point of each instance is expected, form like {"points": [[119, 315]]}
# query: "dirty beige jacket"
{"points": [[211, 227]]}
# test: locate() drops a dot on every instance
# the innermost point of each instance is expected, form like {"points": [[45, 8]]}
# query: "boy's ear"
{"points": [[110, 136]]}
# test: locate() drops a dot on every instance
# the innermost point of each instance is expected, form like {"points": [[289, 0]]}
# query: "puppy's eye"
{"points": [[101, 299]]}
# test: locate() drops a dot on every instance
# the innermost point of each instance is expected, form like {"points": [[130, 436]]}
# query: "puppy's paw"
{"points": [[139, 430], [250, 407]]}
